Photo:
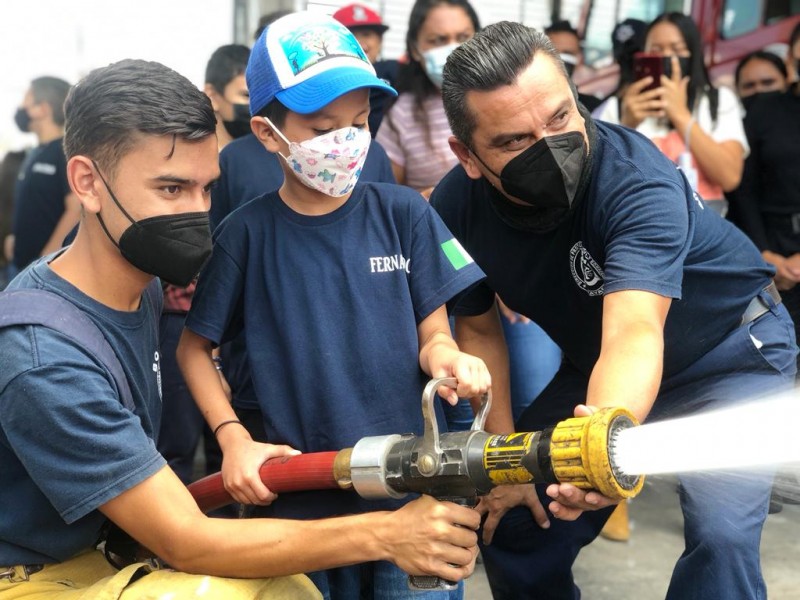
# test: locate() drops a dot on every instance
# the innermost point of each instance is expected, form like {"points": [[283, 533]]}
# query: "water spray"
{"points": [[762, 433]]}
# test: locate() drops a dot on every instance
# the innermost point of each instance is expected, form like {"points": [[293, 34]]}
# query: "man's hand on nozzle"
{"points": [[428, 537], [502, 499], [569, 502]]}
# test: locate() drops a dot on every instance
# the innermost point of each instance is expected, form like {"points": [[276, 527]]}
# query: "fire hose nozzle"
{"points": [[580, 451]]}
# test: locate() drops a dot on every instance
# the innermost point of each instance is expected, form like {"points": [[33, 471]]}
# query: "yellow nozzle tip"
{"points": [[581, 453]]}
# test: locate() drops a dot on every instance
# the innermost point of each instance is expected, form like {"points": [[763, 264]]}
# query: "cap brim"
{"points": [[375, 27], [322, 89]]}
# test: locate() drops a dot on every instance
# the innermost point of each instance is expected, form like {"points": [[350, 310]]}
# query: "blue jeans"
{"points": [[723, 512], [373, 581], [533, 360]]}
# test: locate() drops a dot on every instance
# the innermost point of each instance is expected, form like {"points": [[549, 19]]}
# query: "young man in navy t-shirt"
{"points": [[658, 304], [76, 451], [340, 287]]}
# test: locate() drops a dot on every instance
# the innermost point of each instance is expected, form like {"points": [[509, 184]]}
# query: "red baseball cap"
{"points": [[358, 15]]}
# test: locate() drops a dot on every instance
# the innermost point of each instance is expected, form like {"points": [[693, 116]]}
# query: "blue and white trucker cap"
{"points": [[307, 60]]}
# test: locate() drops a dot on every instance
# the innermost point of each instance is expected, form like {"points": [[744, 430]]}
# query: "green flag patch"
{"points": [[456, 254]]}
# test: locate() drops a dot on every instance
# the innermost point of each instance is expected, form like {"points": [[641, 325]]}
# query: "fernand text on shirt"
{"points": [[388, 264]]}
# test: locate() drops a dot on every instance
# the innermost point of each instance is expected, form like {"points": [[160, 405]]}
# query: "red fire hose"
{"points": [[304, 472]]}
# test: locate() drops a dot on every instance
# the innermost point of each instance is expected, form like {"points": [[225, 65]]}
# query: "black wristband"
{"points": [[221, 425]]}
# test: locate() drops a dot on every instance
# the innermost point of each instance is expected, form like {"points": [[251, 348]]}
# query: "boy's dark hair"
{"points": [[52, 91], [109, 111], [769, 57], [226, 63], [493, 58], [275, 112]]}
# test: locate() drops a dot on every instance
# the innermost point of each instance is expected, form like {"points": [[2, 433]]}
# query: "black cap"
{"points": [[628, 37]]}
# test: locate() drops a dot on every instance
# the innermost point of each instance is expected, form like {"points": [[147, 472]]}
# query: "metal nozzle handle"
{"points": [[430, 449]]}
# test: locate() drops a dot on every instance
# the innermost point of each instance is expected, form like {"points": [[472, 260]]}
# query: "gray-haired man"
{"points": [[659, 306]]}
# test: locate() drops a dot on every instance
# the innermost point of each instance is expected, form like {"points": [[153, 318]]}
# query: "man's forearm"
{"points": [[628, 372]]}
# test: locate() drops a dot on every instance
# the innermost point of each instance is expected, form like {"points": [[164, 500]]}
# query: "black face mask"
{"points": [[22, 119], [684, 62], [753, 98], [550, 177], [171, 247], [240, 126]]}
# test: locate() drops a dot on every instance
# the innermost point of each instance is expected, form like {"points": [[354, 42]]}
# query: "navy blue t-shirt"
{"points": [[638, 227], [67, 443], [39, 200], [249, 170], [331, 306]]}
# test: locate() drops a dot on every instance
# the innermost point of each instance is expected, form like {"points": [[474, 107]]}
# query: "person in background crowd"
{"points": [[367, 27], [793, 56], [414, 130], [758, 73], [9, 170], [44, 208], [627, 39], [227, 89], [268, 18], [696, 125], [566, 40], [767, 203]]}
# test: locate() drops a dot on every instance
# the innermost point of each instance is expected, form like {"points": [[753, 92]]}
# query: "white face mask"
{"points": [[434, 62], [329, 163]]}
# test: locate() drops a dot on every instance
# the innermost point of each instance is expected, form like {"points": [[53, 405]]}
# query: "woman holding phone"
{"points": [[695, 124]]}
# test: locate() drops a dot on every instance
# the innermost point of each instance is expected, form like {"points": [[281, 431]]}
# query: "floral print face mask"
{"points": [[329, 163]]}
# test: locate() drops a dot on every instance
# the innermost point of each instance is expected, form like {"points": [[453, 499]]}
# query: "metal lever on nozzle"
{"points": [[430, 451], [429, 463]]}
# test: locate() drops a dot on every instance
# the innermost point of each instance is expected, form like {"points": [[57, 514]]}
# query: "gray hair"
{"points": [[112, 107], [493, 58]]}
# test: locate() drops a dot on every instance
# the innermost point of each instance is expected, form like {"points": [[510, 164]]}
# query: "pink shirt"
{"points": [[406, 141]]}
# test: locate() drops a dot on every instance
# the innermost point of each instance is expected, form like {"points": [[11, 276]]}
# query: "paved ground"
{"points": [[640, 568]]}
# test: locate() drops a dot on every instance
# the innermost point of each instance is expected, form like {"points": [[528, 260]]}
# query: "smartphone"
{"points": [[653, 65]]}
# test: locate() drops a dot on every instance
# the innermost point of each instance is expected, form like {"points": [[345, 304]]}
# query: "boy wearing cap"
{"points": [[366, 25], [340, 286]]}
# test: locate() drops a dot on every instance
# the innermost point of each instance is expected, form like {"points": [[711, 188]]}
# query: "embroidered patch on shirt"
{"points": [[456, 254], [585, 270]]}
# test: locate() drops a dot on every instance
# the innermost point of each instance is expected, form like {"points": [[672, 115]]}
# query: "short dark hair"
{"points": [[113, 106], [493, 58], [769, 57], [53, 91], [268, 19], [226, 63], [562, 26], [276, 112]]}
